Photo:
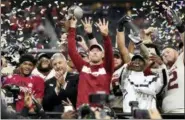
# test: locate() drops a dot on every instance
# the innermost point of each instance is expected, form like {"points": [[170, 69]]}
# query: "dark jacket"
{"points": [[51, 101]]}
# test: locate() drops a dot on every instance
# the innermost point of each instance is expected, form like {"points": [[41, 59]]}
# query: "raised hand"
{"points": [[103, 26], [150, 30], [130, 66], [27, 100], [156, 59], [67, 103], [73, 22], [146, 34], [87, 25]]}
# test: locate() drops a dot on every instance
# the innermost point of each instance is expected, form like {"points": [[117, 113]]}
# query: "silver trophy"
{"points": [[75, 11]]}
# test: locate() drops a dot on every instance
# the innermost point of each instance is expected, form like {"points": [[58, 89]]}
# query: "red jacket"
{"points": [[92, 78]]}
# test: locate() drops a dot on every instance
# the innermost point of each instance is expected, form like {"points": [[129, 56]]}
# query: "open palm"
{"points": [[87, 25], [103, 26]]}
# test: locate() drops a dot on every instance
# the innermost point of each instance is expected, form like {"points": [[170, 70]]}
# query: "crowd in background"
{"points": [[138, 71]]}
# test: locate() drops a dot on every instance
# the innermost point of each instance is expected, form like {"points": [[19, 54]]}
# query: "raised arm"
{"points": [[146, 38], [108, 60], [144, 51], [131, 47], [88, 29], [121, 39], [122, 48], [73, 53]]}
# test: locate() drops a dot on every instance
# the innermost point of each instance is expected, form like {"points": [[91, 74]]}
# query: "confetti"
{"points": [[156, 14], [23, 22]]}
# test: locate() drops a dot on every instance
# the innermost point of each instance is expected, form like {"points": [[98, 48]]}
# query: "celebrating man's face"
{"points": [[26, 68], [95, 55], [169, 55]]}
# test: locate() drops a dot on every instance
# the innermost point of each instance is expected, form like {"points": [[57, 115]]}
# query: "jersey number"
{"points": [[172, 82]]}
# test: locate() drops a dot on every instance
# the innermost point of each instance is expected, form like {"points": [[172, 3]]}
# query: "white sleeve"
{"points": [[156, 83], [124, 73], [151, 88], [65, 85]]}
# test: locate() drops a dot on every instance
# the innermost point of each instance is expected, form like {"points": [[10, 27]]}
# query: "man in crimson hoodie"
{"points": [[34, 85], [96, 74]]}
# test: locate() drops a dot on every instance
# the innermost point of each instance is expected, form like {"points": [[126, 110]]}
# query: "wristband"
{"points": [[90, 36]]}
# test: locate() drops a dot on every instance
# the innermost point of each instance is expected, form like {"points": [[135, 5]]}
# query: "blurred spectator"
{"points": [[43, 68], [117, 102], [95, 75], [84, 55], [6, 68], [26, 81], [71, 66], [61, 87]]}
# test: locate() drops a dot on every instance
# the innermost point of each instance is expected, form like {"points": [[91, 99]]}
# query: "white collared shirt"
{"points": [[65, 84]]}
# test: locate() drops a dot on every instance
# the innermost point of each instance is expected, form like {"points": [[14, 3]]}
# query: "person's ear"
{"points": [[103, 54]]}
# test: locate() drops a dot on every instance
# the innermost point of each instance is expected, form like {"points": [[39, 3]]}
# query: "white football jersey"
{"points": [[174, 92], [137, 87]]}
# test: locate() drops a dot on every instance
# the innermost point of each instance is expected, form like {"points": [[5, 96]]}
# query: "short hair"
{"points": [[171, 47], [27, 57], [56, 55], [151, 45]]}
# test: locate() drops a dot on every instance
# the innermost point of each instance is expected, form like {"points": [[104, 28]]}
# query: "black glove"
{"points": [[12, 88], [176, 20], [122, 21], [181, 28]]}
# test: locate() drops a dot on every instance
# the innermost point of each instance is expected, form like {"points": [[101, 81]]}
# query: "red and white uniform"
{"points": [[173, 101], [32, 84]]}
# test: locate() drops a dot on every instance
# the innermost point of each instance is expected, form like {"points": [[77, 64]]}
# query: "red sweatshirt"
{"points": [[92, 78], [34, 84]]}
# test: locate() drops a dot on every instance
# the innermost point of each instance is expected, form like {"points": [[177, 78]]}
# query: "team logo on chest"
{"points": [[30, 85], [100, 71]]}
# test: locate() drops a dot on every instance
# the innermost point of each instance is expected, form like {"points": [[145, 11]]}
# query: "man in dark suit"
{"points": [[61, 87]]}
